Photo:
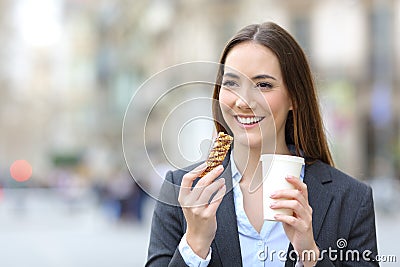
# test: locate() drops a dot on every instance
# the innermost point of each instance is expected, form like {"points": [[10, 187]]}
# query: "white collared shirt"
{"points": [[267, 248]]}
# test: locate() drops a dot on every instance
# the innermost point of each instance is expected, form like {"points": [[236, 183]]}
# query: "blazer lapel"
{"points": [[227, 236], [316, 175]]}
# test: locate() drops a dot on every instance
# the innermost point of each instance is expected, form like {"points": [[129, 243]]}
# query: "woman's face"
{"points": [[253, 97]]}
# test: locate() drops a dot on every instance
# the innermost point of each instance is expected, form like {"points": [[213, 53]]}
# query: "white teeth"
{"points": [[249, 120]]}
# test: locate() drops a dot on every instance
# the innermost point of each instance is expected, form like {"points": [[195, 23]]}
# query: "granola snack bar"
{"points": [[218, 152]]}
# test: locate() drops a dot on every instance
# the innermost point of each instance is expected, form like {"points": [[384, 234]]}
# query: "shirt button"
{"points": [[260, 243]]}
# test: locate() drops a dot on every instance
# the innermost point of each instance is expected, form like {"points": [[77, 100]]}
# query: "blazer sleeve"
{"points": [[360, 248], [363, 233], [166, 228]]}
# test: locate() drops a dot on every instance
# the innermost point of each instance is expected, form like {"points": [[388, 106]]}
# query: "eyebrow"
{"points": [[257, 77]]}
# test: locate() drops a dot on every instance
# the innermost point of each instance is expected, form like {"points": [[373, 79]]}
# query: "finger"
{"points": [[205, 181], [292, 221], [216, 201], [287, 193], [188, 178], [298, 184], [300, 225], [290, 194], [210, 177], [294, 205], [208, 191]]}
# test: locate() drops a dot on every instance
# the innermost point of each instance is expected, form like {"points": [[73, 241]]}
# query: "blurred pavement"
{"points": [[40, 228]]}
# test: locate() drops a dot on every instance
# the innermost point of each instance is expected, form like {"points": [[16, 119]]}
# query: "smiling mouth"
{"points": [[249, 120]]}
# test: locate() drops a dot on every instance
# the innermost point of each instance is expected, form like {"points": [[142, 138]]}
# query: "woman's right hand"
{"points": [[199, 211]]}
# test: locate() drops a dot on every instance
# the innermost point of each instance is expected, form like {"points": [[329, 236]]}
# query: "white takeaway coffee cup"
{"points": [[275, 168]]}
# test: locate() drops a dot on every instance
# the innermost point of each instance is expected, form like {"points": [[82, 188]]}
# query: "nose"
{"points": [[244, 101]]}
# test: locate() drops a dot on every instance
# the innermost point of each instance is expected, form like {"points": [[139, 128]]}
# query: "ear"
{"points": [[290, 104]]}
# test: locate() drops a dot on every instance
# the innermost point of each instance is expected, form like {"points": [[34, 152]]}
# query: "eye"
{"points": [[229, 84], [264, 85]]}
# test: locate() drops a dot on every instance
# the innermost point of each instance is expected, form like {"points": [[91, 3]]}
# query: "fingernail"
{"points": [[272, 195], [273, 204], [222, 180]]}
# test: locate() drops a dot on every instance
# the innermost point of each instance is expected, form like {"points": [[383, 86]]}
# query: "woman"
{"points": [[266, 99]]}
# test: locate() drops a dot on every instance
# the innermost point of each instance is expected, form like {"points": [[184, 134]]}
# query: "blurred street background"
{"points": [[69, 68]]}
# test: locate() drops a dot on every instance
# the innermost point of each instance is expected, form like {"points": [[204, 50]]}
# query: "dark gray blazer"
{"points": [[342, 208]]}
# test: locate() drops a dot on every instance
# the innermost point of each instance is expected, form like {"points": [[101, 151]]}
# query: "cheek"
{"points": [[269, 105], [276, 105], [226, 100]]}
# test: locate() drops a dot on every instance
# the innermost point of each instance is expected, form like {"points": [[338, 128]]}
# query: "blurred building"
{"points": [[69, 69]]}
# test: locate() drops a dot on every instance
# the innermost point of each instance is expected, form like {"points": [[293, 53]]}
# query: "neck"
{"points": [[247, 159]]}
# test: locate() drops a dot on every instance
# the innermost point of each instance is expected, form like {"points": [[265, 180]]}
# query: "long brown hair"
{"points": [[304, 127]]}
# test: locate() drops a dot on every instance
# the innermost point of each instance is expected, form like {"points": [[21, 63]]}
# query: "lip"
{"points": [[258, 119]]}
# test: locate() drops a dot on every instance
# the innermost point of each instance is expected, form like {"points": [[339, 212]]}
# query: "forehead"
{"points": [[250, 58]]}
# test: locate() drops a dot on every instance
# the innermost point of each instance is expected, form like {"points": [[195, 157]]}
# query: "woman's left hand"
{"points": [[298, 227]]}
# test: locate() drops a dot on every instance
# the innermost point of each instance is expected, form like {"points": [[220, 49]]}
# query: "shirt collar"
{"points": [[237, 176]]}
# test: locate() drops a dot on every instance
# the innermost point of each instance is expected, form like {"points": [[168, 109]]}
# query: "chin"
{"points": [[255, 140], [248, 139]]}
